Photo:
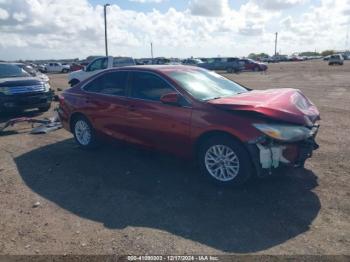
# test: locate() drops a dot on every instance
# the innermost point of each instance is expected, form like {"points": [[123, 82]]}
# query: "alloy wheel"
{"points": [[222, 163]]}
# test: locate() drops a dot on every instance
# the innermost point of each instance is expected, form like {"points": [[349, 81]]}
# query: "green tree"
{"points": [[257, 56], [327, 52], [309, 54]]}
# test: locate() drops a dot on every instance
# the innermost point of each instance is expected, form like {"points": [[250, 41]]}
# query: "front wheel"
{"points": [[256, 69], [224, 161], [84, 133]]}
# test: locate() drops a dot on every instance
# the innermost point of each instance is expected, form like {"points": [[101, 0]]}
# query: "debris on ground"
{"points": [[36, 204], [46, 125]]}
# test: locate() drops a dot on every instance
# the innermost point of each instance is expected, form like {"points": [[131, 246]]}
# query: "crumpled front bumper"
{"points": [[269, 155]]}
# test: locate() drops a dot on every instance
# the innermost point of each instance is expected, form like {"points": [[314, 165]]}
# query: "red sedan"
{"points": [[233, 132], [251, 65]]}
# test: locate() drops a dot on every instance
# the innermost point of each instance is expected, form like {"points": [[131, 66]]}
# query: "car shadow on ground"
{"points": [[121, 186], [10, 115]]}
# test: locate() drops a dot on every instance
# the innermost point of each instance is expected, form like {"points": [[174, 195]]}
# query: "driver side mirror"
{"points": [[171, 99]]}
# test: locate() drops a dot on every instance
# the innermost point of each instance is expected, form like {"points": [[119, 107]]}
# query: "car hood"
{"points": [[19, 81], [285, 104]]}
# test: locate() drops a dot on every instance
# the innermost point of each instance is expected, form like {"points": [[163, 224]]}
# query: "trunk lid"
{"points": [[281, 104]]}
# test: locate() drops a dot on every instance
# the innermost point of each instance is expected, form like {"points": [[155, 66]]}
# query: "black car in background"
{"points": [[19, 90]]}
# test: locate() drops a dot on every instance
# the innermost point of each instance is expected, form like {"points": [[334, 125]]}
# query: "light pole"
{"points": [[152, 51], [105, 15], [276, 44]]}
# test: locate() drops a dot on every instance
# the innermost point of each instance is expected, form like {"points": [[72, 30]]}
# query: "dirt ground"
{"points": [[123, 200]]}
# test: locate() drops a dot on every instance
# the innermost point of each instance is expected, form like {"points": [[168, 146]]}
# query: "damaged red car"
{"points": [[232, 132]]}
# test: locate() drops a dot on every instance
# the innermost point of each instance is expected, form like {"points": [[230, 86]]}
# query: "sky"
{"points": [[53, 29]]}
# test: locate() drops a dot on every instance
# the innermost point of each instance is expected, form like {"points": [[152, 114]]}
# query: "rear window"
{"points": [[113, 83], [123, 61]]}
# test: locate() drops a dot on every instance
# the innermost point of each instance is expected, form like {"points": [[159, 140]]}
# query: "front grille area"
{"points": [[25, 89]]}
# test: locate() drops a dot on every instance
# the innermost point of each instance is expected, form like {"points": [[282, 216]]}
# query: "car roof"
{"points": [[159, 68]]}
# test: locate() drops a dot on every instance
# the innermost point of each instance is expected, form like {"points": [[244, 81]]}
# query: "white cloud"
{"points": [[322, 27], [209, 7], [278, 4], [147, 1], [19, 16], [3, 14], [65, 28]]}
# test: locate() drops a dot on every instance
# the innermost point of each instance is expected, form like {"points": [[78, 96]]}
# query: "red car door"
{"points": [[105, 103], [152, 123]]}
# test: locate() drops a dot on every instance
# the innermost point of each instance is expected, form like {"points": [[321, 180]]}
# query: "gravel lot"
{"points": [[123, 200]]}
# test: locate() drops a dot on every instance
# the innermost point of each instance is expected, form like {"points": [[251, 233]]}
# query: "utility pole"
{"points": [[152, 51], [105, 15], [347, 38], [276, 44]]}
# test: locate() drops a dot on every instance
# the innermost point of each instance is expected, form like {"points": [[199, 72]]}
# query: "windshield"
{"points": [[206, 85], [7, 70]]}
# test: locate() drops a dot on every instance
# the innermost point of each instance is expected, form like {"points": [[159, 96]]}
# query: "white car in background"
{"points": [[33, 72], [97, 65], [55, 67]]}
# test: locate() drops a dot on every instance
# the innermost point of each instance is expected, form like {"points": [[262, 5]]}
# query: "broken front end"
{"points": [[282, 145]]}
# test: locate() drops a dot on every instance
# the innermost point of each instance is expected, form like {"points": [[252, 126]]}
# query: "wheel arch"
{"points": [[74, 80], [73, 117], [212, 133]]}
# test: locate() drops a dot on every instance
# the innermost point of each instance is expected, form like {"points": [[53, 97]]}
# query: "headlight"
{"points": [[288, 133], [47, 87], [4, 90]]}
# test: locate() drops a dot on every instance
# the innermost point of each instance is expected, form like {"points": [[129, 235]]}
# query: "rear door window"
{"points": [[149, 86], [113, 83]]}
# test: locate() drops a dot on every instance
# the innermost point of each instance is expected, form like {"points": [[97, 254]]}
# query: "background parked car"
{"points": [[33, 71], [55, 67], [96, 66], [192, 61], [251, 65], [19, 90], [229, 64], [336, 60], [75, 67]]}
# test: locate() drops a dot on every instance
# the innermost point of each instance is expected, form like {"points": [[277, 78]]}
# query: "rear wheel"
{"points": [[84, 133], [224, 161], [229, 70]]}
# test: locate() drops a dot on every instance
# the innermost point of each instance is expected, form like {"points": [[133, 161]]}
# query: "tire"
{"points": [[64, 70], [241, 166], [229, 70], [73, 82], [45, 108], [256, 69], [84, 133]]}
